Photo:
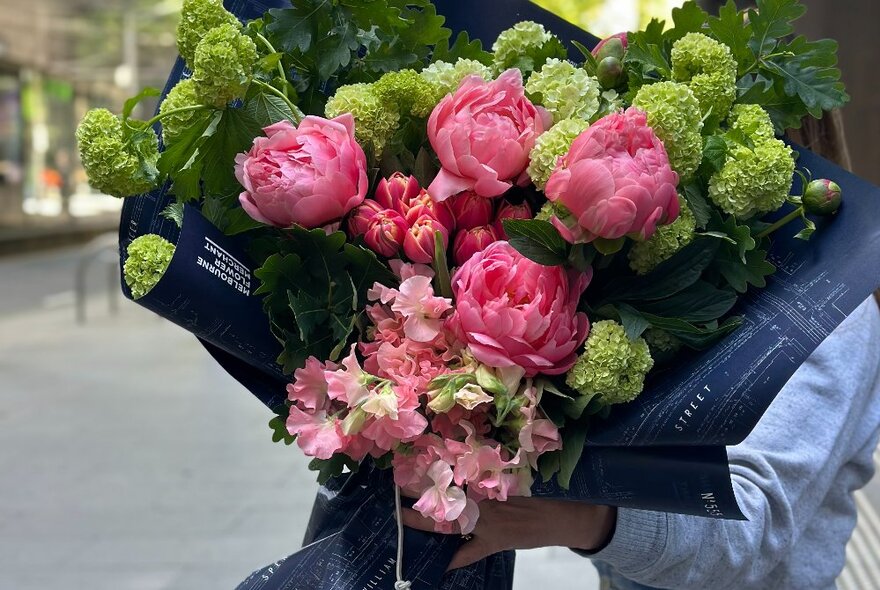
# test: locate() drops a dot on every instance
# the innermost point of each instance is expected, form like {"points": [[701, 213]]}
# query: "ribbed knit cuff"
{"points": [[639, 541]]}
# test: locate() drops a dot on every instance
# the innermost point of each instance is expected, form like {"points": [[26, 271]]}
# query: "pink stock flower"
{"points": [[471, 210], [360, 219], [398, 192], [510, 211], [515, 312], [310, 175], [483, 135], [309, 388], [386, 233], [418, 245], [615, 181], [318, 435], [442, 501], [348, 384], [470, 242], [623, 39], [422, 309]]}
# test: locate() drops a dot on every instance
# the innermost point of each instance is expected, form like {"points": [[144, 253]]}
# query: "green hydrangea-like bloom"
{"points": [[447, 77], [754, 181], [565, 90], [662, 341], [148, 259], [197, 17], [547, 212], [612, 366], [375, 122], [115, 164], [550, 146], [753, 121], [224, 65], [666, 241], [709, 69], [181, 96], [525, 44], [674, 114], [409, 91]]}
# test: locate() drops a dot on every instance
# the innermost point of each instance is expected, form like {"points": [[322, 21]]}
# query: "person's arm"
{"points": [[781, 474]]}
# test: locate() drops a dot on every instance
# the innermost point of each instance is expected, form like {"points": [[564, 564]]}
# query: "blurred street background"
{"points": [[128, 459]]}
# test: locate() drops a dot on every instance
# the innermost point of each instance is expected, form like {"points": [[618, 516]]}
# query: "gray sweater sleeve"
{"points": [[781, 474]]}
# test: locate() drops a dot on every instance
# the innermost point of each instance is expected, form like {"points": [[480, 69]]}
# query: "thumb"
{"points": [[469, 553]]}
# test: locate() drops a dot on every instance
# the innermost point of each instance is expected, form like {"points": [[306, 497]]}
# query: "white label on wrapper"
{"points": [[225, 267]]}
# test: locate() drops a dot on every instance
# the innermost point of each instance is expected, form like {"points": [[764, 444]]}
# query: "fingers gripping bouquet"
{"points": [[469, 257]]}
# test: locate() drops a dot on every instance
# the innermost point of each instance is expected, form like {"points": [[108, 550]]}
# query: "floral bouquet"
{"points": [[494, 273]]}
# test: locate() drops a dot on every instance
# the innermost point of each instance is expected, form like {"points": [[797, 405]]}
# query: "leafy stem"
{"points": [[297, 113], [798, 212], [272, 50], [179, 111]]}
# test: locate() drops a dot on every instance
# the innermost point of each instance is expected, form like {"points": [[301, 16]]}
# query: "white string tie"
{"points": [[400, 584]]}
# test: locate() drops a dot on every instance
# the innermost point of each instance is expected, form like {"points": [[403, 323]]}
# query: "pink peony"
{"points": [[615, 181], [311, 175], [483, 135], [510, 211], [467, 243], [398, 192], [471, 210], [386, 232], [418, 245], [515, 312]]}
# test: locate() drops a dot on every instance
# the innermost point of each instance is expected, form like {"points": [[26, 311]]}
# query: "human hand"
{"points": [[528, 523]]}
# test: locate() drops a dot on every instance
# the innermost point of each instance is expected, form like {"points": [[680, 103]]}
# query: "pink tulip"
{"points": [[311, 175], [470, 242], [398, 192], [510, 211], [360, 219], [615, 181], [425, 205], [471, 210], [419, 241], [483, 135], [515, 312], [385, 233]]}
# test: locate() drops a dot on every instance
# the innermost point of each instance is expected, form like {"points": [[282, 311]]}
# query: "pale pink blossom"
{"points": [[309, 388], [442, 501], [423, 310], [318, 434], [350, 382]]}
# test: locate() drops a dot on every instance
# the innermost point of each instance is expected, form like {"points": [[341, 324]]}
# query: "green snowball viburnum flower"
{"points": [[118, 160], [197, 17], [375, 121], [612, 366], [181, 96], [447, 77], [224, 65], [148, 259], [674, 114], [526, 45], [753, 121], [552, 145], [753, 181], [666, 241], [709, 69], [408, 91], [565, 90]]}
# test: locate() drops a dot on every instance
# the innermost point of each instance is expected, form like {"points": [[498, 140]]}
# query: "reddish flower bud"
{"points": [[472, 241], [397, 192], [471, 210], [361, 217], [386, 233], [419, 242], [425, 205], [822, 197], [510, 211], [613, 46]]}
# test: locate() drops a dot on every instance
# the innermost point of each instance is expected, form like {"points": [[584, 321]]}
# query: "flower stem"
{"points": [[271, 49], [782, 222], [297, 113], [161, 116]]}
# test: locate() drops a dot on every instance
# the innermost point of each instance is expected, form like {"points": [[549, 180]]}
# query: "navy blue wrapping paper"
{"points": [[666, 451]]}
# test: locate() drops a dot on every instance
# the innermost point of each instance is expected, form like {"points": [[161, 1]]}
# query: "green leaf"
{"points": [[235, 134], [182, 160], [278, 424], [310, 312], [295, 28], [549, 465], [729, 28], [740, 274], [700, 303], [266, 109], [134, 101], [739, 235], [647, 52], [715, 153], [632, 320], [773, 20], [590, 63], [698, 204], [537, 240], [690, 18], [366, 270], [573, 438], [462, 48], [696, 337], [334, 467], [174, 212], [811, 74]]}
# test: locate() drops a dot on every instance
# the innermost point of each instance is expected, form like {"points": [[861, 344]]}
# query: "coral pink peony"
{"points": [[510, 211], [615, 181], [398, 192], [418, 245], [483, 135], [467, 243], [515, 312], [359, 221], [386, 232], [310, 175], [471, 210]]}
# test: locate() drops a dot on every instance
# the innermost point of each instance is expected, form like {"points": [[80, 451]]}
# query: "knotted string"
{"points": [[400, 584]]}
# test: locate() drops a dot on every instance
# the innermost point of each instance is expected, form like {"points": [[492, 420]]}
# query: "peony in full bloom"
{"points": [[311, 175], [483, 135], [615, 181], [515, 312]]}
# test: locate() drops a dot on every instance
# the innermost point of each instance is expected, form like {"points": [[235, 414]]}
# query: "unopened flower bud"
{"points": [[386, 233], [470, 242], [612, 47], [510, 211], [398, 192], [360, 219], [472, 395], [354, 422], [822, 197], [487, 379], [471, 210], [610, 72], [425, 205], [419, 243]]}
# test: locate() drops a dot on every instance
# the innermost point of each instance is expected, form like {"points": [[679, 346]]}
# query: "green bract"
{"points": [[612, 367], [119, 161], [375, 122], [526, 45], [709, 69], [550, 146], [224, 65], [148, 259], [666, 241], [755, 180], [408, 91], [181, 96], [753, 121], [447, 77], [565, 90], [674, 114], [197, 17]]}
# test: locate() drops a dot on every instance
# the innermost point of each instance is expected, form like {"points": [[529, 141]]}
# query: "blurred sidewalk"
{"points": [[130, 461]]}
